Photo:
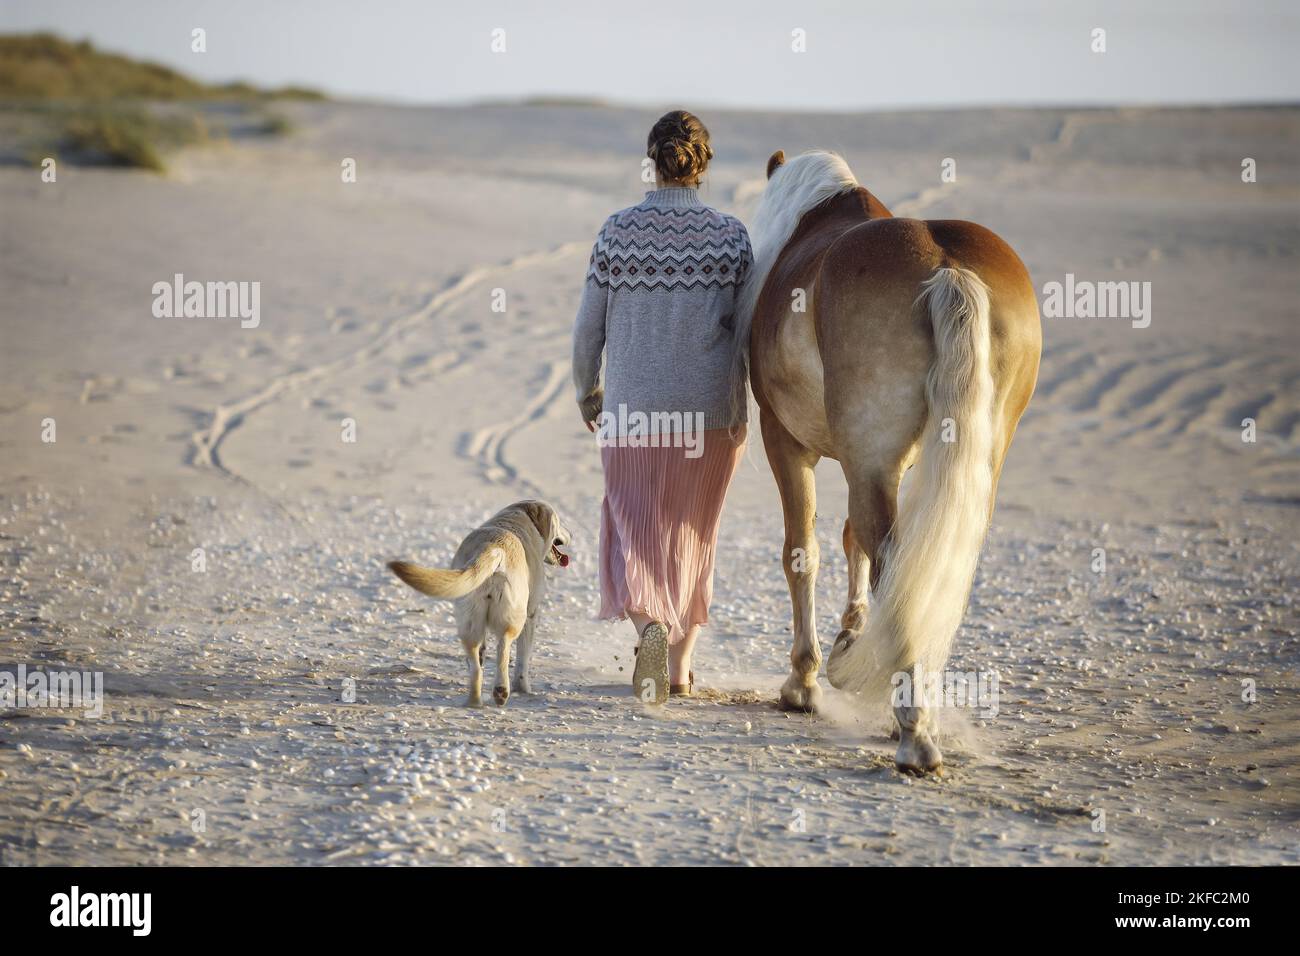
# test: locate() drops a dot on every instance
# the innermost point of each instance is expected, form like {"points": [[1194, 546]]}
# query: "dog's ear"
{"points": [[542, 516]]}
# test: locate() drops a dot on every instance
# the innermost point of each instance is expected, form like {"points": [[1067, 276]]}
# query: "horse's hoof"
{"points": [[800, 697], [843, 641], [918, 755]]}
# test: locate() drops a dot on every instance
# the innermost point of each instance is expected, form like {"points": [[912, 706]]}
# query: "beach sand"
{"points": [[230, 734]]}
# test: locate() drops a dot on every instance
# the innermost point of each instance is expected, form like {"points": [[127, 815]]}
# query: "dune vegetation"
{"points": [[70, 100]]}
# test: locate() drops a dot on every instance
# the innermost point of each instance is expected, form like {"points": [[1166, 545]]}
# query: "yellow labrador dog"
{"points": [[497, 580]]}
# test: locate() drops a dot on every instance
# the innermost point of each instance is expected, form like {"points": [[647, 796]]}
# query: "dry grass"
{"points": [[130, 137], [95, 107], [43, 66]]}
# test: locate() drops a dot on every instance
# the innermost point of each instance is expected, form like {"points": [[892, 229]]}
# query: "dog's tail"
{"points": [[444, 583]]}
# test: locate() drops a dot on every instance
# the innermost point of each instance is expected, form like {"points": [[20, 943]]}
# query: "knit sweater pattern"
{"points": [[658, 307]]}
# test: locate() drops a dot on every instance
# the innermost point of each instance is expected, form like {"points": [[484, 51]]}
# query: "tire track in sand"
{"points": [[487, 445], [206, 442]]}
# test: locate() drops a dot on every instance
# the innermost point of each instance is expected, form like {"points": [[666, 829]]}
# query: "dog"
{"points": [[497, 580]]}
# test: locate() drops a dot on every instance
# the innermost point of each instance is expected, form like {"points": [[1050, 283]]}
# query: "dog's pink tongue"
{"points": [[564, 560]]}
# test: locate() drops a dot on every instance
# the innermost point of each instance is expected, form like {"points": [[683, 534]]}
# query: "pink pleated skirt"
{"points": [[659, 529]]}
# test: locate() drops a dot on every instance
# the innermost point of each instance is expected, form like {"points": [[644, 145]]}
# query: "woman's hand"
{"points": [[591, 407]]}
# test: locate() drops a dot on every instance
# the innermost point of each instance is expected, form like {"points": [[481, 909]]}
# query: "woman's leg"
{"points": [[650, 678], [679, 657], [703, 493], [639, 621], [679, 654]]}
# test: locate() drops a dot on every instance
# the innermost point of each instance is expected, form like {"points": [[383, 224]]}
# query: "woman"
{"points": [[658, 304]]}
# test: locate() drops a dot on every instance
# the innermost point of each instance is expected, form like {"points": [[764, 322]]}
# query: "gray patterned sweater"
{"points": [[659, 304]]}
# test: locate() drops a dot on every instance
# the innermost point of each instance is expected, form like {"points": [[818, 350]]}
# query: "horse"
{"points": [[882, 343]]}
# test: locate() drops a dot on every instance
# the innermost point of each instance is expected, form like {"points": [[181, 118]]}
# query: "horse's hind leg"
{"points": [[873, 508], [873, 471], [854, 618], [917, 752], [792, 465]]}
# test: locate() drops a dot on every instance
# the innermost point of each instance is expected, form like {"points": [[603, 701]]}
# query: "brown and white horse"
{"points": [[883, 343]]}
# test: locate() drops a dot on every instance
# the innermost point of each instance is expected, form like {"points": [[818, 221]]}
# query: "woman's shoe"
{"points": [[683, 690], [650, 675]]}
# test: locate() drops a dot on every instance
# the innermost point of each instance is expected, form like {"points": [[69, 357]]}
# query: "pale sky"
{"points": [[859, 55]]}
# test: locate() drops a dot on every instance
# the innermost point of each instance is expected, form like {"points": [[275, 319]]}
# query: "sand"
{"points": [[291, 702]]}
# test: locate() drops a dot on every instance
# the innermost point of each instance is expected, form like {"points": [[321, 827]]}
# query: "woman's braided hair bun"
{"points": [[679, 146]]}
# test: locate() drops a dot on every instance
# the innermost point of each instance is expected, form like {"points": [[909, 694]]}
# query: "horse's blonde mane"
{"points": [[796, 186]]}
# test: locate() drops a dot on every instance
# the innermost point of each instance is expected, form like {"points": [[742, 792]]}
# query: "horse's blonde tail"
{"points": [[930, 556]]}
